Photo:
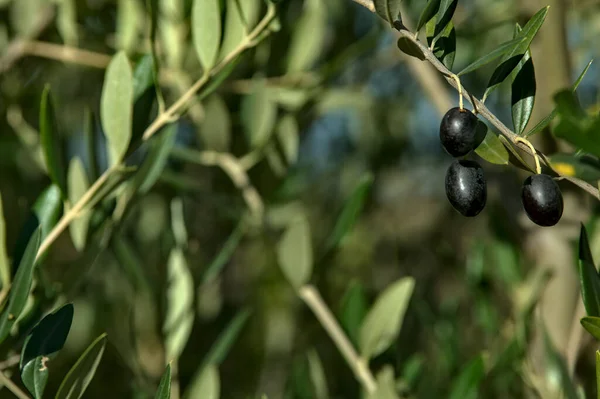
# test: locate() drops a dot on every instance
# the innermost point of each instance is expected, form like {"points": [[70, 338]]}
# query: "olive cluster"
{"points": [[466, 186]]}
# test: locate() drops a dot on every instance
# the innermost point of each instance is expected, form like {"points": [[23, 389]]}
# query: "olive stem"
{"points": [[538, 168], [459, 86]]}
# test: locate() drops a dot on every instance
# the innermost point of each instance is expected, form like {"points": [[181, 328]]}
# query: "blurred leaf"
{"points": [[179, 317], [308, 38], [258, 115], [206, 31], [216, 80], [241, 17], [588, 275], [512, 58], [592, 325], [351, 211], [226, 339], [383, 322], [496, 53], [46, 338], [130, 19], [143, 75], [581, 166], [317, 375], [514, 157], [80, 375], [523, 90], [388, 9], [206, 385], [598, 372], [386, 384], [353, 310], [557, 368], [541, 125], [66, 22], [467, 384], [294, 252], [133, 266], [287, 134], [78, 186], [408, 47], [492, 149], [215, 132], [19, 290], [428, 12], [164, 388], [156, 160], [574, 125], [89, 135], [51, 142], [225, 253], [116, 109], [445, 46], [5, 272]]}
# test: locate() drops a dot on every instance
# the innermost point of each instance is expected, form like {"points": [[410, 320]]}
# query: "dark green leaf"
{"points": [[206, 31], [19, 291], [89, 135], [574, 125], [5, 269], [498, 52], [225, 253], [227, 338], [143, 76], [467, 384], [317, 375], [588, 275], [35, 376], [79, 377], [442, 19], [353, 310], [156, 160], [388, 9], [583, 166], [445, 46], [492, 149], [592, 325], [164, 388], [51, 142], [408, 47], [428, 12]]}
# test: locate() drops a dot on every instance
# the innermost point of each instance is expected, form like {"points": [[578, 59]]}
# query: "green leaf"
{"points": [[258, 115], [78, 186], [287, 134], [467, 384], [156, 160], [592, 325], [241, 17], [386, 384], [116, 108], [225, 253], [492, 149], [164, 388], [523, 90], [353, 310], [388, 9], [51, 142], [19, 290], [308, 38], [35, 376], [486, 59], [383, 322], [215, 132], [514, 157], [5, 269], [143, 76], [439, 23], [445, 46], [583, 166], [80, 375], [428, 12], [408, 47], [206, 385], [556, 366], [89, 135], [294, 252], [179, 316], [206, 31], [512, 57], [227, 338], [598, 373], [216, 81], [574, 125], [317, 375], [351, 211], [588, 275]]}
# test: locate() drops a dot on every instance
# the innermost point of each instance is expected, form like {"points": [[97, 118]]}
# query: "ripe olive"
{"points": [[542, 200], [466, 187], [458, 131]]}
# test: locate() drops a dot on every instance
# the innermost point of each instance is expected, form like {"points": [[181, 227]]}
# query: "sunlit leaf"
{"points": [[51, 142], [466, 386], [428, 12], [78, 186], [206, 385], [206, 31], [588, 275], [386, 384], [439, 23], [496, 53], [258, 115], [308, 37], [445, 45], [388, 9], [164, 388], [382, 324], [241, 17], [523, 90], [492, 149], [294, 252]]}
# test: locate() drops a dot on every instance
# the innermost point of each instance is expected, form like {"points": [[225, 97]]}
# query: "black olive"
{"points": [[542, 200], [458, 132], [466, 187]]}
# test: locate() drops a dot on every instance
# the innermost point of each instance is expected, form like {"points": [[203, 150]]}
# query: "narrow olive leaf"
{"points": [[317, 375], [523, 89], [294, 252], [492, 149], [353, 310], [574, 125], [241, 17], [351, 211], [51, 142], [439, 23], [288, 136], [512, 57], [598, 372], [164, 387], [308, 38], [206, 31], [588, 275], [179, 317], [388, 9], [428, 12], [216, 81], [409, 48], [258, 115], [116, 108], [206, 385], [583, 167], [143, 76], [89, 136], [592, 325], [156, 160], [467, 384], [225, 253], [514, 157], [386, 384], [383, 322], [226, 339], [541, 125], [80, 375], [35, 376], [557, 367], [496, 53], [445, 46], [78, 185], [5, 270], [215, 131], [19, 290]]}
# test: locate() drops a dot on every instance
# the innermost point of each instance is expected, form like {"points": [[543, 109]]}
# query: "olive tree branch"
{"points": [[481, 108], [12, 386]]}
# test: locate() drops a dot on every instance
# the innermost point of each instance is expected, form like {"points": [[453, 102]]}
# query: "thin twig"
{"points": [[12, 387], [313, 300], [63, 53]]}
